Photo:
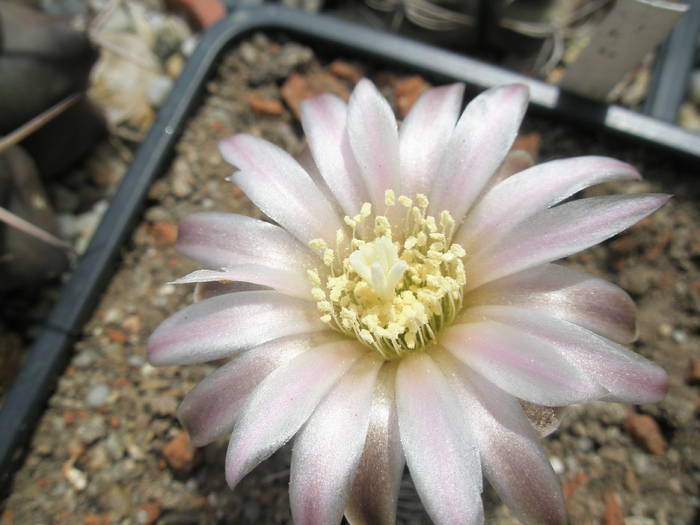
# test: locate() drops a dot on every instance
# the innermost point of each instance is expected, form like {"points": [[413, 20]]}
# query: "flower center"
{"points": [[393, 287]]}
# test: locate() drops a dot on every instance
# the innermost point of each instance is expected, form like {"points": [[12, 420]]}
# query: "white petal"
{"points": [[374, 141], [511, 455], [440, 450], [294, 283], [225, 324], [277, 185], [627, 376], [209, 410], [424, 135], [324, 119], [283, 402], [560, 231], [483, 136], [533, 190], [328, 448], [520, 364], [219, 240], [566, 294], [375, 489]]}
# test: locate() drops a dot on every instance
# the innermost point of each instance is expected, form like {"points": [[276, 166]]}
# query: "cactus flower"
{"points": [[404, 308]]}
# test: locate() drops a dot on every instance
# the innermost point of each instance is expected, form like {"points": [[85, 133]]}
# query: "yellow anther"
{"points": [[422, 201], [325, 306], [328, 257], [350, 222], [458, 250], [366, 210], [317, 244], [382, 226], [314, 277], [405, 201], [389, 198]]}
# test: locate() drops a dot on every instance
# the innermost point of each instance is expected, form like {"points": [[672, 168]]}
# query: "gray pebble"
{"points": [[85, 359], [98, 395], [91, 430]]}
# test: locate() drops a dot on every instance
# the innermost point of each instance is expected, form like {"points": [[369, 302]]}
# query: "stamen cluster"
{"points": [[392, 288]]}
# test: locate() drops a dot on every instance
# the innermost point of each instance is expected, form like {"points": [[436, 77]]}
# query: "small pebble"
{"points": [[679, 336], [98, 395], [557, 465], [136, 361]]}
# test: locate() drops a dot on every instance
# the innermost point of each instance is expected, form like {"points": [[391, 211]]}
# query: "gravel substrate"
{"points": [[109, 449]]}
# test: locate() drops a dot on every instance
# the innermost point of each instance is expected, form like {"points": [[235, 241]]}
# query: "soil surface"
{"points": [[109, 449]]}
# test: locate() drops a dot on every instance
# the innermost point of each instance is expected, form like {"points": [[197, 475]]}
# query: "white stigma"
{"points": [[379, 265]]}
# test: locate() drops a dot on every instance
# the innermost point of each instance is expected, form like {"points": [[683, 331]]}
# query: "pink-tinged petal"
{"points": [[425, 133], [544, 420], [560, 231], [439, 447], [567, 294], [220, 240], [294, 283], [374, 141], [626, 375], [375, 489], [210, 409], [533, 190], [212, 289], [324, 118], [225, 324], [483, 136], [520, 364], [328, 448], [283, 402], [511, 455], [277, 185]]}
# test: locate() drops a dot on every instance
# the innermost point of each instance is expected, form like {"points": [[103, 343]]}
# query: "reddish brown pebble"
{"points": [[659, 246], [43, 482], [8, 517], [645, 432], [407, 92], [202, 13], [116, 336], [529, 142], [264, 106], [571, 484], [180, 454], [693, 376], [114, 422], [68, 417], [299, 87], [97, 519], [120, 381], [164, 233], [346, 71], [613, 514], [150, 512], [132, 324]]}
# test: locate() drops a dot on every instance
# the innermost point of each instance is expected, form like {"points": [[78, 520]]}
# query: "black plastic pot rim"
{"points": [[47, 358]]}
